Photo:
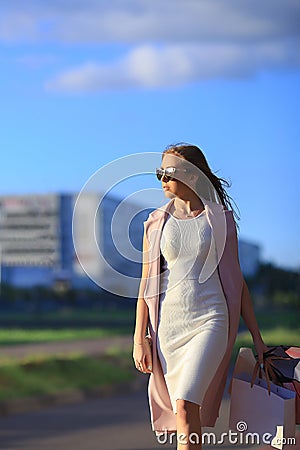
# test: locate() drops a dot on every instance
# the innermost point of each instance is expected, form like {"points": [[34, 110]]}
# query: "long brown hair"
{"points": [[195, 156]]}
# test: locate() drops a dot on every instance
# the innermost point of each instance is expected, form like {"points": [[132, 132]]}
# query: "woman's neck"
{"points": [[187, 206]]}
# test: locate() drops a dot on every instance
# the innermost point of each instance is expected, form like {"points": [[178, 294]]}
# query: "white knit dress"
{"points": [[193, 317]]}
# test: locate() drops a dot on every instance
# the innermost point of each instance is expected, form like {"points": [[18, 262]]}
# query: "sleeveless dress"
{"points": [[193, 317]]}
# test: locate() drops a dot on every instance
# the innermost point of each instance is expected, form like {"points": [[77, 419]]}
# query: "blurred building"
{"points": [[29, 240], [249, 256], [37, 247]]}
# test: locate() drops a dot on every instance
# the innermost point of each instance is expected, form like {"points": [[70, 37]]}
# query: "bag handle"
{"points": [[268, 369], [254, 374]]}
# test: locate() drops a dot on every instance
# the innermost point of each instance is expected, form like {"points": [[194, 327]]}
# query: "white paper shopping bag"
{"points": [[260, 411]]}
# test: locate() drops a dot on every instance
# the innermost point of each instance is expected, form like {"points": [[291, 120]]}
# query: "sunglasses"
{"points": [[168, 173]]}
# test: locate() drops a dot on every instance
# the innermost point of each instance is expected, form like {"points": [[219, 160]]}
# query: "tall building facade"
{"points": [[249, 256], [30, 247], [42, 241]]}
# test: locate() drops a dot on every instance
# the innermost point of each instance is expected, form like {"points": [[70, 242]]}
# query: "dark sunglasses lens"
{"points": [[163, 174], [159, 174]]}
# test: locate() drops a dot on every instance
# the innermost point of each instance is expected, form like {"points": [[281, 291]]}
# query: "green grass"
{"points": [[277, 327], [47, 375], [279, 335], [273, 318], [14, 336]]}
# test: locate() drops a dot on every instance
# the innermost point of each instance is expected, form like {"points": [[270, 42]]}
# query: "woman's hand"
{"points": [[142, 356], [260, 348]]}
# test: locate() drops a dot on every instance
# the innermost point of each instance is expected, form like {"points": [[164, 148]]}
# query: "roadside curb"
{"points": [[36, 403]]}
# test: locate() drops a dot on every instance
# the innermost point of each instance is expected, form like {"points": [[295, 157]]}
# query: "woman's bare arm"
{"points": [[141, 321], [248, 315], [141, 349]]}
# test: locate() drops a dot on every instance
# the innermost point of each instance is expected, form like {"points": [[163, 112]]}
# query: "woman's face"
{"points": [[182, 183]]}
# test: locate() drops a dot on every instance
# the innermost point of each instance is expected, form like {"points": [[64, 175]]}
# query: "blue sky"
{"points": [[86, 82]]}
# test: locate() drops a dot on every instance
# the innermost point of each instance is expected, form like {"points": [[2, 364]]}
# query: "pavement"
{"points": [[118, 422], [90, 347]]}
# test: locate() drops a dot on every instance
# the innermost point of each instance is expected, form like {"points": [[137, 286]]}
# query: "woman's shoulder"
{"points": [[158, 212]]}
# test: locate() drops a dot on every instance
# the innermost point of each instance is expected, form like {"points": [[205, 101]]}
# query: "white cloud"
{"points": [[174, 65], [171, 42]]}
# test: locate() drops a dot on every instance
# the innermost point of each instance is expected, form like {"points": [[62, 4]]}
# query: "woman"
{"points": [[191, 296]]}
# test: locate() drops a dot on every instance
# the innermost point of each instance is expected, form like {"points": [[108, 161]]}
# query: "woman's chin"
{"points": [[169, 194]]}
